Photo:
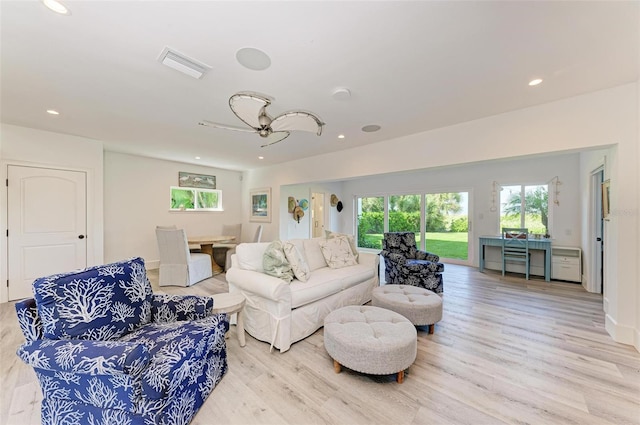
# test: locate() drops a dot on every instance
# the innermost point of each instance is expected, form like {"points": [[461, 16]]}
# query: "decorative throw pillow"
{"points": [[337, 252], [275, 263], [298, 264], [352, 241]]}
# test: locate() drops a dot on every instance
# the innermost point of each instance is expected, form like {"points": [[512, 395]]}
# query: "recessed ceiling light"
{"points": [[57, 7], [52, 112], [371, 128], [340, 136], [197, 157], [261, 157], [254, 59], [535, 82]]}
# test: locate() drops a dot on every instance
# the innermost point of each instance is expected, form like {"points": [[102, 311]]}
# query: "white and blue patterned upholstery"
{"points": [[407, 265], [120, 354]]}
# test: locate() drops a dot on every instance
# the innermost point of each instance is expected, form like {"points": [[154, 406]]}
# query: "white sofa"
{"points": [[282, 313]]}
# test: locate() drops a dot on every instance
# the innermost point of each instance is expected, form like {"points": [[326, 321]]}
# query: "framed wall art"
{"points": [[201, 181], [260, 205]]}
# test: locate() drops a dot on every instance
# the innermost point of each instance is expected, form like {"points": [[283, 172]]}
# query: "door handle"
{"points": [[80, 236], [599, 239]]}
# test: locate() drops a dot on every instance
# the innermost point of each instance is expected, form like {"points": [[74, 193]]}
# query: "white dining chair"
{"points": [[228, 248], [178, 266], [258, 235]]}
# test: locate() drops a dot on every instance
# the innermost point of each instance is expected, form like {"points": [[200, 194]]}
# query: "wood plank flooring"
{"points": [[508, 351]]}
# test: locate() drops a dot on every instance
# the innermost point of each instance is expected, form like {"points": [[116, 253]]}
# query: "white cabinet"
{"points": [[566, 263]]}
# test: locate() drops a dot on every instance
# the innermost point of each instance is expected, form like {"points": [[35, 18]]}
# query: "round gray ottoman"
{"points": [[419, 305], [370, 340]]}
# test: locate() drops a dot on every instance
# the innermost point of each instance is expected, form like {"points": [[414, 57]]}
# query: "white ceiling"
{"points": [[411, 67]]}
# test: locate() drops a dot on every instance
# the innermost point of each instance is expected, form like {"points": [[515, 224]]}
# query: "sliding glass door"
{"points": [[439, 220], [447, 224]]}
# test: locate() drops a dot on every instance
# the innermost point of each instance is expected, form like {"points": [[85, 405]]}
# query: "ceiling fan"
{"points": [[251, 108]]}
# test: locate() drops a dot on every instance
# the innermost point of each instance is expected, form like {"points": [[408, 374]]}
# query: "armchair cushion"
{"points": [[99, 303], [417, 265], [175, 350], [85, 357]]}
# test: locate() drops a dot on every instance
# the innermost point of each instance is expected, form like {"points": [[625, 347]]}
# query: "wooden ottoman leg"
{"points": [[336, 366], [431, 328], [400, 377]]}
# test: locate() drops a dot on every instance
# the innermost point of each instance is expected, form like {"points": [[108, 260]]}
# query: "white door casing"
{"points": [[47, 220]]}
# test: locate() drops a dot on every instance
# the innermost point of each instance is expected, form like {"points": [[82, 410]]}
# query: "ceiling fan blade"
{"points": [[247, 106], [225, 127], [275, 137], [297, 120]]}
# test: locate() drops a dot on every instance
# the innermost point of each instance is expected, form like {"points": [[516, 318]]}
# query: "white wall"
{"points": [[477, 179], [26, 146], [137, 199], [594, 120]]}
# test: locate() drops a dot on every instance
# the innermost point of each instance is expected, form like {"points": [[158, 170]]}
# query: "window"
{"points": [[370, 222], [525, 206], [191, 199]]}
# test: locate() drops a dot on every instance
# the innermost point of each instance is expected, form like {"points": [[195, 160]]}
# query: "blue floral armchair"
{"points": [[106, 350], [406, 265]]}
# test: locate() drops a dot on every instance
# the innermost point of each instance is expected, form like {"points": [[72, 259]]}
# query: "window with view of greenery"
{"points": [[525, 206], [404, 214], [191, 199], [446, 221]]}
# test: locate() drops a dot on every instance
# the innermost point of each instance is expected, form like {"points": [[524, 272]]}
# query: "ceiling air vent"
{"points": [[180, 62]]}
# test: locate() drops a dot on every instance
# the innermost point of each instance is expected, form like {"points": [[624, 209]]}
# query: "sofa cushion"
{"points": [[275, 262], [337, 252], [352, 241], [327, 281], [250, 256], [99, 303], [297, 261], [313, 253]]}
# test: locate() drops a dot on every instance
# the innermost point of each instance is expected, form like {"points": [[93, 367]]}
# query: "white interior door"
{"points": [[46, 225], [317, 215]]}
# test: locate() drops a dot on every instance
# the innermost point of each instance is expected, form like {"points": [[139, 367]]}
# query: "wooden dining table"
{"points": [[206, 246]]}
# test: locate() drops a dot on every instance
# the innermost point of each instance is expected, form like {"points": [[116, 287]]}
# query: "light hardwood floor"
{"points": [[507, 351]]}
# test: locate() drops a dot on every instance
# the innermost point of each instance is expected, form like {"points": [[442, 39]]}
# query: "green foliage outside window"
{"points": [[447, 224], [194, 199]]}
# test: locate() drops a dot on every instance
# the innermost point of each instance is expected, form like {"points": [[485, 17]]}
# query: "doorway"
{"points": [[596, 233], [317, 215], [46, 225]]}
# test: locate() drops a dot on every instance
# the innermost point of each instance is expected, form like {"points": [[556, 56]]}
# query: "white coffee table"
{"points": [[231, 304]]}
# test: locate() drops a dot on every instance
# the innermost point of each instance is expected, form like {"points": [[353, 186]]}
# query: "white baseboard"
{"points": [[620, 333]]}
